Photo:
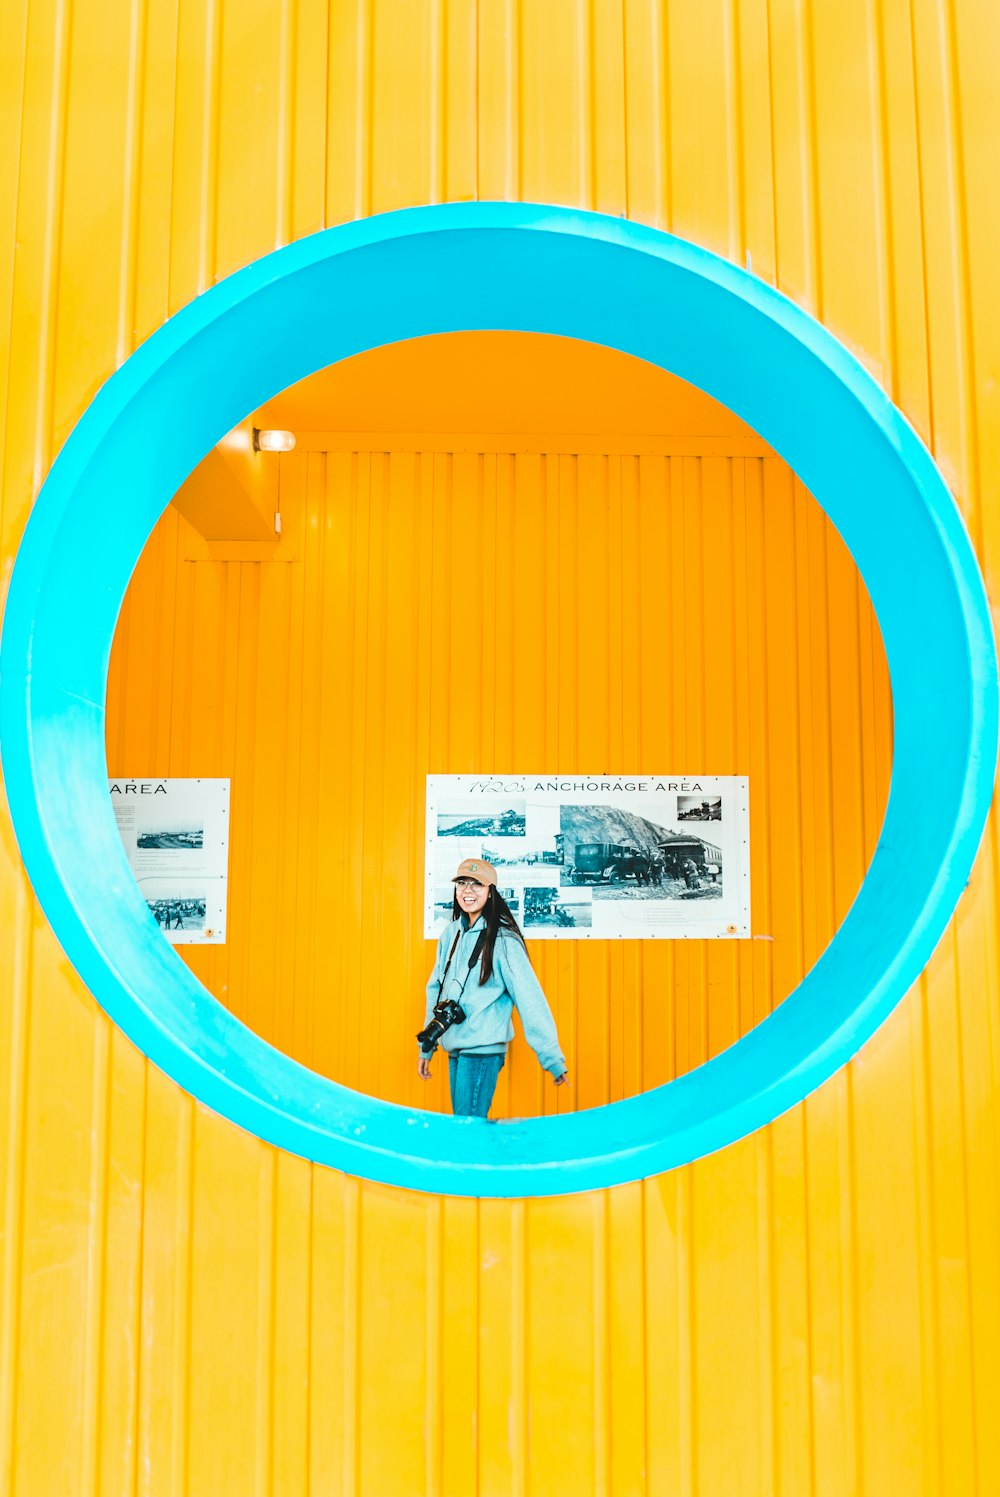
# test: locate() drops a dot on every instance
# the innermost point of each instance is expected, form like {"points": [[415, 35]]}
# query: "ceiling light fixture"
{"points": [[272, 441]]}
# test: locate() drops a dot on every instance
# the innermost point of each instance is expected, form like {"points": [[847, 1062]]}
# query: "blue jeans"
{"points": [[473, 1080]]}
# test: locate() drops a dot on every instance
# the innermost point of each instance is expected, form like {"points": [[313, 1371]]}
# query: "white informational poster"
{"points": [[176, 835], [594, 857]]}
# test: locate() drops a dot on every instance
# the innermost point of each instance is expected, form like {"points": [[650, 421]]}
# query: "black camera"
{"points": [[446, 1013]]}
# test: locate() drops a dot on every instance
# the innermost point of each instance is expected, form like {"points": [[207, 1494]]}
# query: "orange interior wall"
{"points": [[679, 610]]}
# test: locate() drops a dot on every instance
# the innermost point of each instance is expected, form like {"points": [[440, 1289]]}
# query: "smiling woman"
{"points": [[543, 270]]}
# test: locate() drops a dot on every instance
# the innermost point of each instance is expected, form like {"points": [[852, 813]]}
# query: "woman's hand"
{"points": [[562, 1080], [424, 1068]]}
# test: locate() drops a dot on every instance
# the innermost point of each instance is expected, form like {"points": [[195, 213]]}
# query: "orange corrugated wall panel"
{"points": [[813, 1311], [488, 612]]}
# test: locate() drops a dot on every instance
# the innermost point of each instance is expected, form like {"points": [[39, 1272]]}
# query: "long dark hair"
{"points": [[498, 917]]}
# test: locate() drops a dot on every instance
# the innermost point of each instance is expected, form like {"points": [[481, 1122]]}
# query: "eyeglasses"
{"points": [[469, 883]]}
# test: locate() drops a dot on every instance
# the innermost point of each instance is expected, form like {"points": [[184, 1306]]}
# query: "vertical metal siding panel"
{"points": [[903, 213], [118, 1336], [51, 1211], [591, 641], [195, 707], [691, 726], [498, 93], [503, 1414], [479, 646], [349, 112], [754, 960], [646, 78], [332, 1385], [15, 915], [407, 103], [793, 165], [754, 128], [274, 726], [162, 1351], [336, 629], [64, 1065], [971, 49], [782, 749], [553, 98], [291, 1307], [430, 660], [33, 279], [658, 1034], [829, 1207], [565, 685], [560, 1313], [784, 1265], [925, 1235], [149, 248], [631, 956], [849, 178], [393, 1364], [247, 188], [608, 111], [435, 1391], [445, 554], [193, 161], [724, 960], [306, 474], [978, 986], [348, 875], [457, 123], [700, 127], [396, 959], [453, 1300], [228, 1347], [727, 1324], [625, 1382], [308, 140], [13, 80], [948, 1186], [812, 802], [243, 583], [888, 1288], [851, 857]]}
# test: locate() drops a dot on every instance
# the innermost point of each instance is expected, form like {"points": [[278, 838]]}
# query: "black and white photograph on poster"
{"points": [[599, 857], [699, 808], [176, 905], [506, 820], [172, 839], [624, 856], [557, 909], [176, 835], [525, 856]]}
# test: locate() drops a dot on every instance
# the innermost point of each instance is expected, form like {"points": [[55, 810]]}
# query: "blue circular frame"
{"points": [[538, 269]]}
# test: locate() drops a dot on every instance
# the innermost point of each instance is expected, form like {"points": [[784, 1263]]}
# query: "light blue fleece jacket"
{"points": [[489, 1009]]}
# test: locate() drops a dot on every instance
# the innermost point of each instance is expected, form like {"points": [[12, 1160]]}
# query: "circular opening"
{"points": [[521, 268], [504, 552]]}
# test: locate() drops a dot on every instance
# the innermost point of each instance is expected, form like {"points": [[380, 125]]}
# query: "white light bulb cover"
{"points": [[274, 441]]}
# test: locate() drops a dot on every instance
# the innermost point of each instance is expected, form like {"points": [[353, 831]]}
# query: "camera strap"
{"points": [[444, 974], [473, 959]]}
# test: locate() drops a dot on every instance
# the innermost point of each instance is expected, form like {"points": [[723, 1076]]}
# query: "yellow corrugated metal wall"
{"points": [[816, 1310]]}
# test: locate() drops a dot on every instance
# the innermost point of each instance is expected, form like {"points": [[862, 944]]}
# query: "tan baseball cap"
{"points": [[477, 868]]}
